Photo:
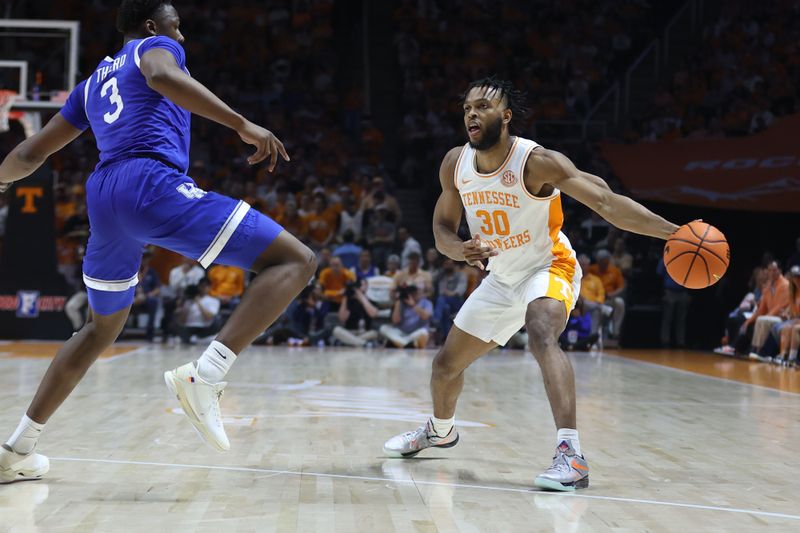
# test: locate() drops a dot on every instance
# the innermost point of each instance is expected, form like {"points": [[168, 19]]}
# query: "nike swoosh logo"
{"points": [[577, 466], [219, 354], [467, 181]]}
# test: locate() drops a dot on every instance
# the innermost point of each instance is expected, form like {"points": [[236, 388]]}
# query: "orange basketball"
{"points": [[697, 255]]}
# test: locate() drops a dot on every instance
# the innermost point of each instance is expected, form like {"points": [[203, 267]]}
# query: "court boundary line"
{"points": [[434, 483], [138, 349], [689, 372]]}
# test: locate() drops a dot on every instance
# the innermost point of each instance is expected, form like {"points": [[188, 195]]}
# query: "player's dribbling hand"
{"points": [[475, 253], [267, 145]]}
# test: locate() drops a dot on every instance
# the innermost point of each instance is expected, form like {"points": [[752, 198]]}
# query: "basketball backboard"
{"points": [[38, 60]]}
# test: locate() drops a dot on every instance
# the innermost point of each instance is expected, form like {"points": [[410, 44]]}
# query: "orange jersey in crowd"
{"points": [[334, 282], [226, 281], [592, 288], [297, 226], [774, 299], [612, 277], [322, 225]]}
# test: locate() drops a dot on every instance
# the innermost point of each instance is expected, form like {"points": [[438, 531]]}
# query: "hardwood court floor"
{"points": [[669, 450]]}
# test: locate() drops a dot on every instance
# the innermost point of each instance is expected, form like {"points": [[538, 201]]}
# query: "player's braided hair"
{"points": [[515, 99], [133, 13]]}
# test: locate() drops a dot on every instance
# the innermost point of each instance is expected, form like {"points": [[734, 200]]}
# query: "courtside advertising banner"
{"points": [[756, 173]]}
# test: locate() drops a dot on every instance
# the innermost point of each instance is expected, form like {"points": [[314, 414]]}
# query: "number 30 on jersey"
{"points": [[495, 222], [114, 98]]}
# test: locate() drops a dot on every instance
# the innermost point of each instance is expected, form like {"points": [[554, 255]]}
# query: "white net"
{"points": [[6, 101]]}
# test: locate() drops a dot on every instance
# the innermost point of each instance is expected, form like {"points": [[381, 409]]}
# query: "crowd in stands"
{"points": [[287, 80], [766, 324], [376, 283], [361, 306], [335, 195], [438, 55], [743, 75]]}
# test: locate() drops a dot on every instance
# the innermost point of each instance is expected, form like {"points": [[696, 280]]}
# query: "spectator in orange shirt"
{"points": [[333, 280], [593, 294], [227, 284], [773, 304], [321, 223], [293, 222], [613, 284]]}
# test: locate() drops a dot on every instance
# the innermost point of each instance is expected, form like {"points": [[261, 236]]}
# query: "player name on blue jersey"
{"points": [[129, 119], [103, 72]]}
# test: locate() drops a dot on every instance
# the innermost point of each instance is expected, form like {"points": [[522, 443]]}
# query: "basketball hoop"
{"points": [[6, 101]]}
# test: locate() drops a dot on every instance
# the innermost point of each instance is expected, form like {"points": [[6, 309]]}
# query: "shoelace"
{"points": [[215, 406], [560, 464], [411, 434]]}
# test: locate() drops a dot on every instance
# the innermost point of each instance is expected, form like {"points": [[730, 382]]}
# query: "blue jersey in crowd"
{"points": [[128, 118]]}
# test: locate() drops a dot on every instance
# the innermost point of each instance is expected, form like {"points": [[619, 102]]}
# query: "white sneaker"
{"points": [[17, 467], [200, 402], [411, 443]]}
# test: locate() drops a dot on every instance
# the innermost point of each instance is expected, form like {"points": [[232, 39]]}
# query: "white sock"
{"points": [[793, 355], [24, 439], [442, 426], [571, 436], [215, 362]]}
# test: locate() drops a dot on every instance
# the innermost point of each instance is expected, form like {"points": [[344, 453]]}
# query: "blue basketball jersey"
{"points": [[128, 118]]}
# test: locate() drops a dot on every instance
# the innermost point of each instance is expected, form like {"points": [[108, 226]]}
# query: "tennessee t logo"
{"points": [[566, 290], [30, 194]]}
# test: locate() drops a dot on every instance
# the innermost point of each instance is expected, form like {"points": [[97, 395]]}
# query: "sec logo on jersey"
{"points": [[509, 178]]}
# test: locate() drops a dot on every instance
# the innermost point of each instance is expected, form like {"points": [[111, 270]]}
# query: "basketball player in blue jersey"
{"points": [[138, 104]]}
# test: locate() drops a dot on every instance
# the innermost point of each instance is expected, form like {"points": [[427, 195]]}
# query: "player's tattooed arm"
{"points": [[447, 219], [29, 155], [164, 75], [553, 168]]}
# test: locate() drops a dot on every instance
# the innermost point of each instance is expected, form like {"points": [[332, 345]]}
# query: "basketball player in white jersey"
{"points": [[511, 188]]}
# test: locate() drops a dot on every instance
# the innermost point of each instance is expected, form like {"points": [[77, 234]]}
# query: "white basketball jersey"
{"points": [[525, 229]]}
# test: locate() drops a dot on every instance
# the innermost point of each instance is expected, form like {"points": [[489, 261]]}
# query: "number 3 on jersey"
{"points": [[115, 99], [494, 222]]}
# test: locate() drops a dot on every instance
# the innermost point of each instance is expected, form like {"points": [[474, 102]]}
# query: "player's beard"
{"points": [[491, 135]]}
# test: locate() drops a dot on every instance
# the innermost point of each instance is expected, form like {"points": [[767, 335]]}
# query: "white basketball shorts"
{"points": [[496, 311]]}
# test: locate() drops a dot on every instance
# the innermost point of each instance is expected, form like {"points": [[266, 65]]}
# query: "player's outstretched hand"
{"points": [[475, 254], [267, 145]]}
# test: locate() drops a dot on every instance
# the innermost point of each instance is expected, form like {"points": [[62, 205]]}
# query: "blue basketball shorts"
{"points": [[136, 202]]}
